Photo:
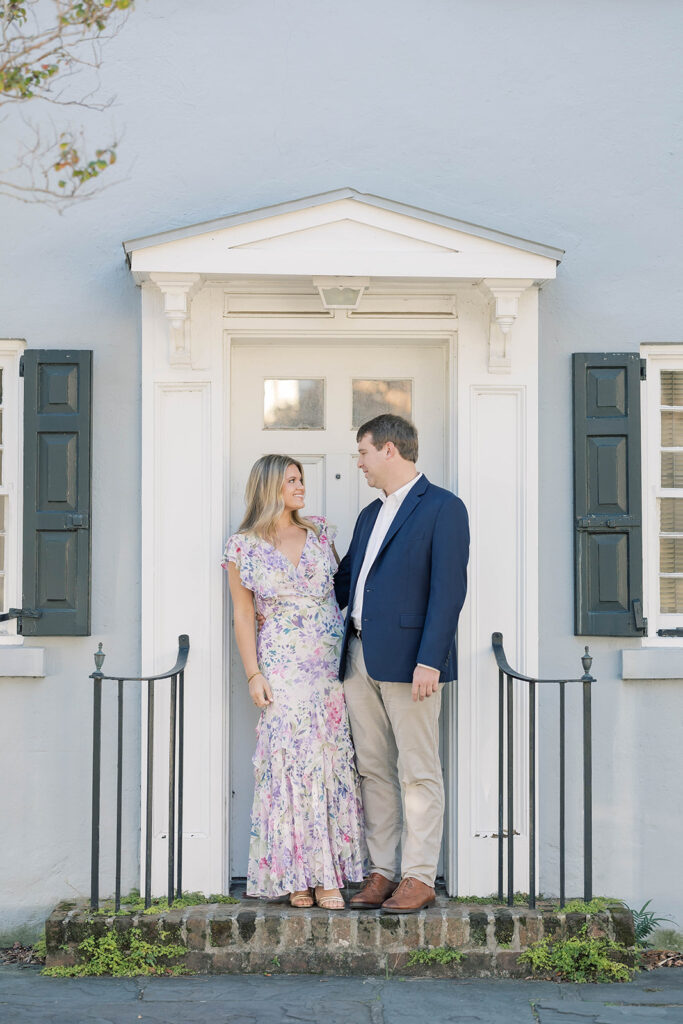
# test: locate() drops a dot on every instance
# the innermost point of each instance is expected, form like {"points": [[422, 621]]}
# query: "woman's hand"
{"points": [[260, 691]]}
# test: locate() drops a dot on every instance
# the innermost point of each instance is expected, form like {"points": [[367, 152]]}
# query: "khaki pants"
{"points": [[397, 752]]}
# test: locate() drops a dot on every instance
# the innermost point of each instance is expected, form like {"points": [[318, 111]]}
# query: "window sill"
{"points": [[17, 662], [652, 663]]}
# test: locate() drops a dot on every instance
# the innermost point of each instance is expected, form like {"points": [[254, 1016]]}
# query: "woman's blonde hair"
{"points": [[264, 500]]}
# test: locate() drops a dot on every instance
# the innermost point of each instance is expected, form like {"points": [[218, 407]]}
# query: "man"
{"points": [[403, 580]]}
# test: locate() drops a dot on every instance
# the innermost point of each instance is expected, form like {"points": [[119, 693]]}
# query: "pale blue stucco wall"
{"points": [[558, 122]]}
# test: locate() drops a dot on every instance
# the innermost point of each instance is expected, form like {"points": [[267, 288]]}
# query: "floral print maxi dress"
{"points": [[307, 819]]}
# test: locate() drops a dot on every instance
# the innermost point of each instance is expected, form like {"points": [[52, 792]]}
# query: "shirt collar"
{"points": [[400, 494]]}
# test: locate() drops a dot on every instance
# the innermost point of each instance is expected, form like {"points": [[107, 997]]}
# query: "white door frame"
{"points": [[185, 424]]}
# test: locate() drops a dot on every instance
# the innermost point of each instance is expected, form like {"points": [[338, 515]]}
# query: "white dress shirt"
{"points": [[391, 503]]}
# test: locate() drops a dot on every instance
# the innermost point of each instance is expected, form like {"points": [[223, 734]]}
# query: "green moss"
{"points": [[579, 959], [134, 903], [122, 955], [520, 899], [596, 906], [437, 955]]}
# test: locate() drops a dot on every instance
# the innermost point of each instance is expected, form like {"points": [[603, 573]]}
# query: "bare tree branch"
{"points": [[46, 48]]}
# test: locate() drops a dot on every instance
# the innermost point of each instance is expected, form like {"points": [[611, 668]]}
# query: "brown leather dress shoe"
{"points": [[410, 896], [373, 894]]}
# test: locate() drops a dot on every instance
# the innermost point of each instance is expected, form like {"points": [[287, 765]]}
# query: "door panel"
{"points": [[267, 389]]}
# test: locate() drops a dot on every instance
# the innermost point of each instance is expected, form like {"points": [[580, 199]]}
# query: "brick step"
{"points": [[254, 936]]}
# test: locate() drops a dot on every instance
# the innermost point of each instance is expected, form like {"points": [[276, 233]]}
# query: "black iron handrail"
{"points": [[506, 747], [175, 774]]}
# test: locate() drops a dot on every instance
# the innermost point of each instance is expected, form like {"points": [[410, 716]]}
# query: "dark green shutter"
{"points": [[57, 460], [607, 495]]}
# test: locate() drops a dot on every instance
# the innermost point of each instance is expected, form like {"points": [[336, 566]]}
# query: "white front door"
{"points": [[307, 400]]}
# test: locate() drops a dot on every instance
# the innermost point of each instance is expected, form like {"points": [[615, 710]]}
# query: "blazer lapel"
{"points": [[408, 504]]}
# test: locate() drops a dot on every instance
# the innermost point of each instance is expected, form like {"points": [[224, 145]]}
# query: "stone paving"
{"points": [[28, 998]]}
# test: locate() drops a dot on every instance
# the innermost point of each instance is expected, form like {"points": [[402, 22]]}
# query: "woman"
{"points": [[306, 823]]}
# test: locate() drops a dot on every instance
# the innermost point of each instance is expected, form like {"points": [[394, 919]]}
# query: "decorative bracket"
{"points": [[506, 293], [178, 293]]}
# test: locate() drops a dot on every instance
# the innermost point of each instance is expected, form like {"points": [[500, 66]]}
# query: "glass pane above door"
{"points": [[374, 397], [293, 404]]}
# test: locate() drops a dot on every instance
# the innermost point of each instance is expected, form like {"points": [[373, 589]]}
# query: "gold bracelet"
{"points": [[253, 676]]}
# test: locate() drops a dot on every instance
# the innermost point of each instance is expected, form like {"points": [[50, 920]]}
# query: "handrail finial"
{"points": [[99, 657], [587, 661]]}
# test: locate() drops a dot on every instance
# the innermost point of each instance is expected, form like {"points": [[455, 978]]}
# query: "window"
{"points": [[663, 489], [293, 404], [373, 397]]}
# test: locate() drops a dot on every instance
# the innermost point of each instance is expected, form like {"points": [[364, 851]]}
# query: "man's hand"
{"points": [[425, 682]]}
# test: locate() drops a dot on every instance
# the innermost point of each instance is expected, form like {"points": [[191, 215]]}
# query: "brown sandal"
{"points": [[301, 899], [329, 899]]}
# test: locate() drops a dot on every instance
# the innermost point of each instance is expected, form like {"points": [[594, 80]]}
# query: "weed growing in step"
{"points": [[595, 906], [122, 955], [134, 903], [520, 899], [578, 959], [437, 955]]}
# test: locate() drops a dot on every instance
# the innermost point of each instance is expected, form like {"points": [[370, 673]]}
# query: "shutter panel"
{"points": [[608, 551], [57, 464]]}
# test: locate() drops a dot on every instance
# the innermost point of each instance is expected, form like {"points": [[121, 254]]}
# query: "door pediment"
{"points": [[344, 233]]}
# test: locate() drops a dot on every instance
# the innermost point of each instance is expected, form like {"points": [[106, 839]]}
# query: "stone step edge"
{"points": [[239, 938]]}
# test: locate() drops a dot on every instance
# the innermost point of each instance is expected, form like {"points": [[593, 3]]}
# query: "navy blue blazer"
{"points": [[415, 588]]}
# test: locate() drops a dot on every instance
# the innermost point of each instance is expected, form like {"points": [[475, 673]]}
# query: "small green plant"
{"points": [[645, 921], [520, 899], [437, 955], [122, 955], [578, 959], [134, 903], [276, 962], [40, 947], [594, 906], [667, 938]]}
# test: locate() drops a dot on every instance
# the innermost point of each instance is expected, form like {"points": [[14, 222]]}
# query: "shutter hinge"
{"points": [[76, 521], [639, 621], [643, 369], [19, 614], [21, 366]]}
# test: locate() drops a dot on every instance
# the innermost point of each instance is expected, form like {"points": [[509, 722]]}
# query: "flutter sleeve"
{"points": [[232, 551], [237, 551], [330, 531], [327, 534]]}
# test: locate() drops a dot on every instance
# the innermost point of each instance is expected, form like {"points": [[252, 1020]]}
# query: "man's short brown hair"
{"points": [[388, 427]]}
